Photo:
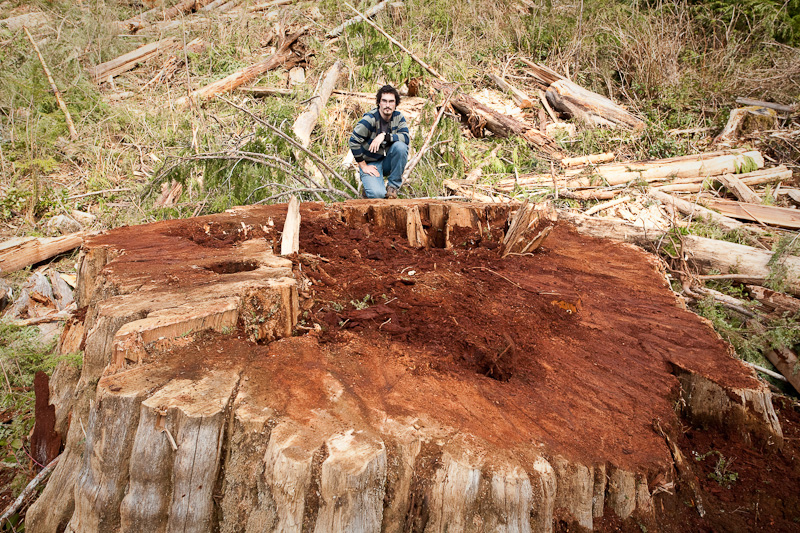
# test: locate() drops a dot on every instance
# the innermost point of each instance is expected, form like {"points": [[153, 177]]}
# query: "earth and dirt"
{"points": [[575, 350]]}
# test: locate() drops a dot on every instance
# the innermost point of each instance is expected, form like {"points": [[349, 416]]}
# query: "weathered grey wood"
{"points": [[739, 189], [785, 109], [520, 98], [308, 119]]}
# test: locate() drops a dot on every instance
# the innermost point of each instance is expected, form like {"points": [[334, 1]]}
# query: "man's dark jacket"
{"points": [[369, 127]]}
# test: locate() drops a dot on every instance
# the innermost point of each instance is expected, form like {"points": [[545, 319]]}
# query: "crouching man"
{"points": [[380, 145]]}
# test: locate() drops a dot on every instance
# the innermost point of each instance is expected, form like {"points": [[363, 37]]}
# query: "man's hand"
{"points": [[376, 143], [372, 170]]}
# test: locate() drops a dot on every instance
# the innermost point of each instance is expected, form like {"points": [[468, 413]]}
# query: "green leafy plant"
{"points": [[722, 473]]}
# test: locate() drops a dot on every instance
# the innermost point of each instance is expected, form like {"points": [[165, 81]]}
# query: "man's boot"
{"points": [[391, 193]]}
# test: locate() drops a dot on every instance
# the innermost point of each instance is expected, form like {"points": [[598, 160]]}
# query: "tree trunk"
{"points": [[198, 408]]}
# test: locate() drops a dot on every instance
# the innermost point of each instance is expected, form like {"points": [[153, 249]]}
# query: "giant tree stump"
{"points": [[396, 375]]}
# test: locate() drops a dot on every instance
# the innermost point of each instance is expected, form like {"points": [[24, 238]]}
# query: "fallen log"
{"points": [[583, 104], [757, 177], [781, 357], [17, 254], [28, 20], [763, 214], [590, 194], [159, 14], [694, 210], [774, 301], [266, 5], [480, 116], [125, 62], [371, 12], [520, 98], [305, 123], [695, 166], [244, 75]]}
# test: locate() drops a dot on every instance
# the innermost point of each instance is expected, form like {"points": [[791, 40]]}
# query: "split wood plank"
{"points": [[694, 210], [371, 12], [73, 134], [739, 189], [480, 116], [244, 75], [305, 123], [520, 98], [24, 252], [290, 238], [590, 194], [607, 205], [528, 228], [763, 214], [125, 62]]}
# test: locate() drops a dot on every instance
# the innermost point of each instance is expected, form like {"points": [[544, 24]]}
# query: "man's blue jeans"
{"points": [[392, 166]]}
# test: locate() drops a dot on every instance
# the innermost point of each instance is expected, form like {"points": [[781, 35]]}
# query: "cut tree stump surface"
{"points": [[445, 384]]}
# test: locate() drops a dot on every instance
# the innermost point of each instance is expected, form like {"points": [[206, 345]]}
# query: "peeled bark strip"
{"points": [[243, 76], [305, 123], [694, 210]]}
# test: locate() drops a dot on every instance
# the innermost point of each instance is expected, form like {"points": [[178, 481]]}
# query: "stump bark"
{"points": [[220, 390]]}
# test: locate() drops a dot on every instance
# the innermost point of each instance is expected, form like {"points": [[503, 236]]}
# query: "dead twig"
{"points": [[317, 159], [73, 134], [421, 152], [35, 482], [397, 43]]}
